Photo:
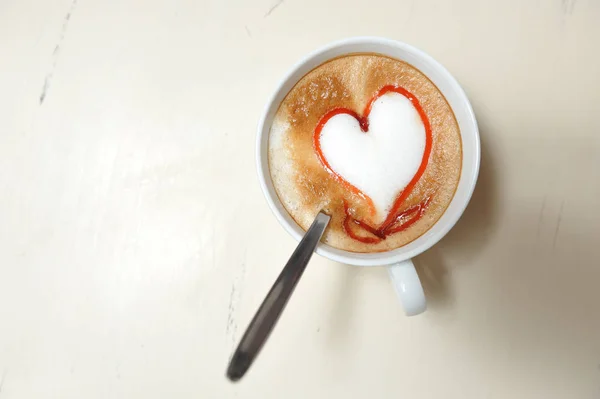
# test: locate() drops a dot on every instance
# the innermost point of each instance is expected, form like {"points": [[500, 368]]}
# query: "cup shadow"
{"points": [[435, 279], [468, 237]]}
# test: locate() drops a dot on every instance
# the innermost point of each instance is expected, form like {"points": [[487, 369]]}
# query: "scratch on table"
{"points": [[279, 2], [213, 251], [248, 31], [560, 212], [568, 6], [541, 217], [231, 323], [234, 299], [2, 379], [56, 52]]}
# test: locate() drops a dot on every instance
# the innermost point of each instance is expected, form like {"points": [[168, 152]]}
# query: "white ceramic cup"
{"points": [[398, 261]]}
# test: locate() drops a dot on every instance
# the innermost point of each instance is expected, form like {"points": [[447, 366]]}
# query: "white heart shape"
{"points": [[382, 161]]}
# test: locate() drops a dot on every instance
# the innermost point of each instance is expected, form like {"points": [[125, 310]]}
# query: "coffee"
{"points": [[371, 141]]}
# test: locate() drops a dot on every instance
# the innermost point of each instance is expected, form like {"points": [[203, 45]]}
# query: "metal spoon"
{"points": [[267, 315]]}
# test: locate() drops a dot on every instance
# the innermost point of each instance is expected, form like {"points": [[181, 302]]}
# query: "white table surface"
{"points": [[135, 244]]}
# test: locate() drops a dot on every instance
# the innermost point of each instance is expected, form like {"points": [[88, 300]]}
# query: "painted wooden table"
{"points": [[135, 244]]}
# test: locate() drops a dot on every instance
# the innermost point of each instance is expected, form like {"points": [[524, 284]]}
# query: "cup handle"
{"points": [[408, 287]]}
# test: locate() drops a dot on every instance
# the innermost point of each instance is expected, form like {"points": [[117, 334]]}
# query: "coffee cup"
{"points": [[398, 262]]}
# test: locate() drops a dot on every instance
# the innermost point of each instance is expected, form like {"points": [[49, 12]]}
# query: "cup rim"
{"points": [[375, 258]]}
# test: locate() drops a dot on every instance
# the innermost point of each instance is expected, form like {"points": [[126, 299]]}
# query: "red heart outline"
{"points": [[387, 227]]}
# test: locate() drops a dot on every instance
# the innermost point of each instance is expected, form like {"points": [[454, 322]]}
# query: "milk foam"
{"points": [[382, 161]]}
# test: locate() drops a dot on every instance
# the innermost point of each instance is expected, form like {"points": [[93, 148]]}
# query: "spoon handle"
{"points": [[267, 315]]}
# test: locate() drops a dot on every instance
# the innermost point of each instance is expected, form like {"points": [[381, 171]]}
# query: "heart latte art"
{"points": [[381, 162], [372, 142]]}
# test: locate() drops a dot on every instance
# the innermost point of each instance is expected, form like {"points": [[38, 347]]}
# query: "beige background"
{"points": [[135, 244]]}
